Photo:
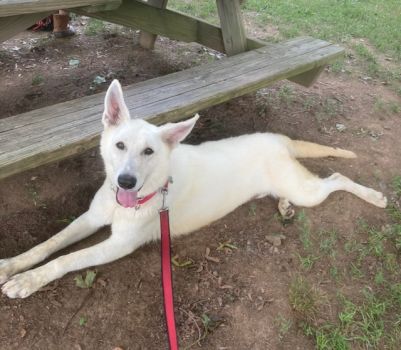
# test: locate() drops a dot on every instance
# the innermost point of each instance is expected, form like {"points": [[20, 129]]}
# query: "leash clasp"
{"points": [[164, 192]]}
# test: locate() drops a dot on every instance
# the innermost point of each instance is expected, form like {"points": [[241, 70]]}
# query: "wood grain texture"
{"points": [[166, 22], [58, 131], [232, 28], [147, 40], [110, 5], [10, 26], [22, 7]]}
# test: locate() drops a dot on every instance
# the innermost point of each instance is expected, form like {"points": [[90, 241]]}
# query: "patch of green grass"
{"points": [[303, 298], [359, 326], [252, 209], [335, 20], [328, 242], [94, 27], [396, 184], [284, 325], [387, 107], [308, 261], [82, 321], [305, 231], [369, 325], [390, 262], [205, 9], [395, 108], [33, 193], [356, 272], [376, 241], [364, 52], [286, 94], [330, 108], [86, 282], [309, 103], [334, 273], [379, 277], [330, 338], [37, 80]]}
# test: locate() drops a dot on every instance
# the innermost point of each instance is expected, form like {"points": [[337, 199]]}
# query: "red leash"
{"points": [[167, 280]]}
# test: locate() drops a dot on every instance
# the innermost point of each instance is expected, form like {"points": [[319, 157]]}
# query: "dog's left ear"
{"points": [[174, 133], [115, 109]]}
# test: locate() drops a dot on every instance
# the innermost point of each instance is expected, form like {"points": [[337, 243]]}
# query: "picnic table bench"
{"points": [[55, 132]]}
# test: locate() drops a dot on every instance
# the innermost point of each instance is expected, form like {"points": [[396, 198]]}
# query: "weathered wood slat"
{"points": [[160, 88], [174, 25], [166, 22], [23, 7], [147, 40], [12, 25], [55, 132], [232, 28]]}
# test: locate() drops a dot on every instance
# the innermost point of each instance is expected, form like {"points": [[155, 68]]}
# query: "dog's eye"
{"points": [[148, 151], [120, 145]]}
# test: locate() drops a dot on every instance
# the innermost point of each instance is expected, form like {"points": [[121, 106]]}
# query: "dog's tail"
{"points": [[304, 149]]}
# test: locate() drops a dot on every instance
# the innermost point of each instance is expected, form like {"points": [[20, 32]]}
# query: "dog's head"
{"points": [[136, 153]]}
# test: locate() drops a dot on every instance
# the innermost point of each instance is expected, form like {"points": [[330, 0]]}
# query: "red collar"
{"points": [[143, 200]]}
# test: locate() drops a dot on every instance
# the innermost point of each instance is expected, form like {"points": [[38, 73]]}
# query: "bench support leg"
{"points": [[308, 78], [234, 36], [146, 39]]}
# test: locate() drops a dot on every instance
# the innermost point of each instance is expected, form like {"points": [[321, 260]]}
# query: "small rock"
{"points": [[74, 62], [22, 333], [275, 240], [220, 301], [340, 127]]}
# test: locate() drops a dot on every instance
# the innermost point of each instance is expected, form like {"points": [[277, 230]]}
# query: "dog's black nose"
{"points": [[126, 181]]}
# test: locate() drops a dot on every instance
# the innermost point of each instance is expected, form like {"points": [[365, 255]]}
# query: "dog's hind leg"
{"points": [[317, 190], [80, 228]]}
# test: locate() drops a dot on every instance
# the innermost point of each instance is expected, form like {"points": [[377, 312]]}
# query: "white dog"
{"points": [[209, 181]]}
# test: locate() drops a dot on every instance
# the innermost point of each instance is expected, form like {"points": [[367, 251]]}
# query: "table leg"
{"points": [[146, 39], [232, 28]]}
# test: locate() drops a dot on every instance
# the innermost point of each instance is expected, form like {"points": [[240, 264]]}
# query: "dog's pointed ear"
{"points": [[174, 133], [115, 109]]}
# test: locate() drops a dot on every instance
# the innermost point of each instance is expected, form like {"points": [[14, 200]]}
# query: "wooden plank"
{"points": [[307, 79], [174, 25], [159, 89], [232, 28], [147, 40], [111, 5], [55, 132], [22, 7], [10, 26], [161, 86], [166, 22]]}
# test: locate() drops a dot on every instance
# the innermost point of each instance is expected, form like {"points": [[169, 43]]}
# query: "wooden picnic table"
{"points": [[75, 126], [151, 16]]}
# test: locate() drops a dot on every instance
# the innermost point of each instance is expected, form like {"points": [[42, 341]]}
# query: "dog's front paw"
{"points": [[23, 284], [7, 269]]}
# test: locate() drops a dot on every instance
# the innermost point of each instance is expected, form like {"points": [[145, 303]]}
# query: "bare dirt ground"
{"points": [[234, 300]]}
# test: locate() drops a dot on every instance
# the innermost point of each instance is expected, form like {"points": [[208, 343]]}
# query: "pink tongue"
{"points": [[128, 199]]}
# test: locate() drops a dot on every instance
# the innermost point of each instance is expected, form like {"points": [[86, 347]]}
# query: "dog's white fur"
{"points": [[209, 181]]}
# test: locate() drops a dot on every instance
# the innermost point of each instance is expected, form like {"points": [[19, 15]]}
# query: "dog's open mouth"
{"points": [[127, 199]]}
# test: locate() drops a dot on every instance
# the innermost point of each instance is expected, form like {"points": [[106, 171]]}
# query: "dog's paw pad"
{"points": [[289, 213]]}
